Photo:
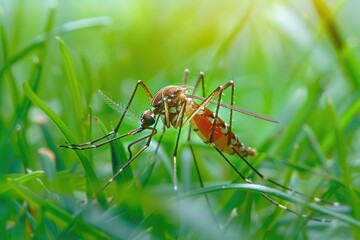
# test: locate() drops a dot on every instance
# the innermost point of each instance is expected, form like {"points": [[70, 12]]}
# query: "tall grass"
{"points": [[296, 61]]}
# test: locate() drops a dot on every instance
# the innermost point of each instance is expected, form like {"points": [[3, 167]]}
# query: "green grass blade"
{"points": [[118, 157], [278, 194], [21, 180], [90, 173], [73, 83], [56, 214], [41, 39], [342, 157], [23, 146], [346, 56], [292, 130], [315, 144], [50, 142], [225, 46], [21, 110], [47, 160], [4, 43]]}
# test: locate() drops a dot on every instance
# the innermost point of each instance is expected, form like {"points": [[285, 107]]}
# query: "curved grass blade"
{"points": [[73, 83], [118, 159], [21, 180], [345, 55], [21, 110], [276, 193], [235, 33], [56, 214], [42, 38], [342, 157], [90, 173]]}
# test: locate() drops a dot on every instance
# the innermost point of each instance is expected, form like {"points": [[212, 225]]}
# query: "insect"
{"points": [[176, 107]]}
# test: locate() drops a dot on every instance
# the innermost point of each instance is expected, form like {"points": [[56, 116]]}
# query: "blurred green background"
{"points": [[296, 61]]}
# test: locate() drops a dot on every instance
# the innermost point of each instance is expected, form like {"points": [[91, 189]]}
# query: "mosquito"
{"points": [[176, 107]]}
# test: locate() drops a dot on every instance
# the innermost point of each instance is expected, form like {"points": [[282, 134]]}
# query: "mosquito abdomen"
{"points": [[222, 136]]}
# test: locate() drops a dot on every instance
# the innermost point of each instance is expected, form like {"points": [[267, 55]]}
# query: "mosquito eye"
{"points": [[148, 119]]}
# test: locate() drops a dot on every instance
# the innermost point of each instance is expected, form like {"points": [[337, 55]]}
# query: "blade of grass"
{"points": [[13, 90], [278, 194], [21, 180], [286, 143], [342, 157], [118, 159], [345, 55], [22, 146], [90, 173], [42, 38], [57, 214], [351, 113], [225, 46], [20, 112], [275, 216], [47, 159], [4, 43], [309, 133], [73, 83], [47, 135], [23, 107]]}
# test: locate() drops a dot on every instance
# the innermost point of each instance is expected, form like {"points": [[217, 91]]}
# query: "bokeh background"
{"points": [[296, 61]]}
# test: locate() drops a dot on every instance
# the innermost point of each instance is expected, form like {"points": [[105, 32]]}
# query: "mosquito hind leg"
{"points": [[248, 150], [271, 200]]}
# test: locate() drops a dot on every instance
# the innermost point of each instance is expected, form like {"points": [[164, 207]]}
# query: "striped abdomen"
{"points": [[202, 123]]}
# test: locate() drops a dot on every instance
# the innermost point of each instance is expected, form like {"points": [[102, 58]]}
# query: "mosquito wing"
{"points": [[116, 105], [240, 110]]}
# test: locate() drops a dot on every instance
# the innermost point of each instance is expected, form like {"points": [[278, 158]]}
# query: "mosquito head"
{"points": [[147, 118]]}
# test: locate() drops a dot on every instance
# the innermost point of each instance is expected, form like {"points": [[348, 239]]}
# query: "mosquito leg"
{"points": [[221, 89], [180, 124], [141, 84], [91, 144], [246, 180], [84, 147], [149, 137], [208, 100], [200, 79], [186, 74], [149, 169], [153, 132], [218, 92], [264, 178]]}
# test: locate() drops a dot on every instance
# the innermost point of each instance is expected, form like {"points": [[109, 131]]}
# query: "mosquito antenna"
{"points": [[116, 105], [240, 110]]}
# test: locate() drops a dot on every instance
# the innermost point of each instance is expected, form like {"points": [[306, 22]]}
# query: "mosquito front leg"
{"points": [[91, 146], [93, 143], [131, 159]]}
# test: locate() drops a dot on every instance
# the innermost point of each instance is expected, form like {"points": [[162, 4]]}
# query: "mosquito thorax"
{"points": [[169, 102], [147, 118], [173, 92]]}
